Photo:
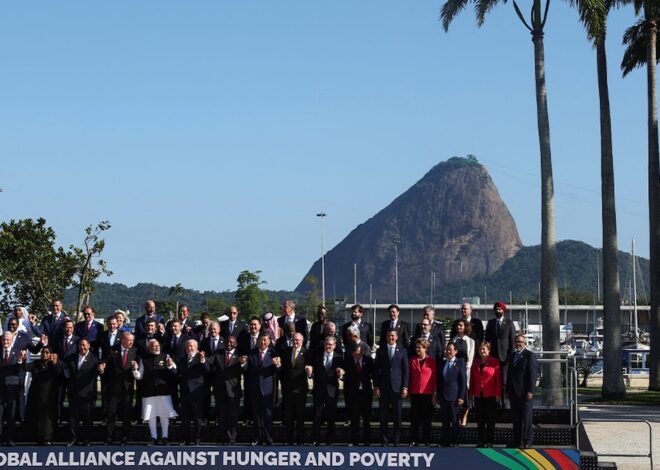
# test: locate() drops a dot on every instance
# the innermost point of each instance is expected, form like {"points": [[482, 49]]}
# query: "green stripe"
{"points": [[525, 459], [502, 459]]}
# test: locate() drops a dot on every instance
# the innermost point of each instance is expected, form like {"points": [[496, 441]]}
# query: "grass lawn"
{"points": [[633, 397]]}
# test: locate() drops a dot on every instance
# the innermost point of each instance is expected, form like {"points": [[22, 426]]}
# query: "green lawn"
{"points": [[633, 397]]}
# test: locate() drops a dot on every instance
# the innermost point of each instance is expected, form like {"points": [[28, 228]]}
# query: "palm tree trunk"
{"points": [[613, 386], [654, 220], [549, 293]]}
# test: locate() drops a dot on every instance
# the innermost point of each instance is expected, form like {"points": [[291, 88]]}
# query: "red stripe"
{"points": [[564, 462]]}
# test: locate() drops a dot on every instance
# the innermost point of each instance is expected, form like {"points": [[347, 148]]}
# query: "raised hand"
{"points": [[134, 365]]}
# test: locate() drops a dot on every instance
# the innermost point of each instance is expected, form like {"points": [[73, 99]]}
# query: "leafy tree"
{"points": [[33, 271], [177, 291], [641, 40], [87, 270], [216, 307], [250, 299], [312, 298]]}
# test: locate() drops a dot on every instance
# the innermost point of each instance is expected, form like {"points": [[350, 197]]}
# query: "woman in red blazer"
{"points": [[486, 389], [421, 388]]}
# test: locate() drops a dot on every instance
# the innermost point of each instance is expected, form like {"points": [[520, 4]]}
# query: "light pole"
{"points": [[322, 215], [396, 270]]}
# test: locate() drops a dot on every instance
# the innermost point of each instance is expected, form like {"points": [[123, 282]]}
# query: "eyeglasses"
{"points": [[520, 342]]}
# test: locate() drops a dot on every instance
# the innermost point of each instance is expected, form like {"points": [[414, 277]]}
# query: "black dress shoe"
{"points": [[254, 443], [385, 442], [124, 441], [197, 442], [72, 443], [152, 442], [413, 444], [11, 444]]}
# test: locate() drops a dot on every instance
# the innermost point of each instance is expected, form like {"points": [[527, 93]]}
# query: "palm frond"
{"points": [[635, 38], [482, 7], [593, 15], [450, 10]]}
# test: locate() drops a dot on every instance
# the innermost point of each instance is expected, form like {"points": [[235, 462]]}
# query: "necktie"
{"points": [[190, 359], [124, 358], [516, 357], [174, 341], [499, 327], [231, 328], [6, 356], [261, 357], [392, 325], [228, 358], [254, 342], [89, 325], [215, 345], [391, 352], [295, 355], [358, 365], [328, 361], [66, 344], [449, 363]]}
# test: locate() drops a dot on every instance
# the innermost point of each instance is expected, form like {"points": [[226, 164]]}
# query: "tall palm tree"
{"points": [[594, 18], [549, 290], [641, 40]]}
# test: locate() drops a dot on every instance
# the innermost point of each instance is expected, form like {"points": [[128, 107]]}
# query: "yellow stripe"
{"points": [[538, 458]]}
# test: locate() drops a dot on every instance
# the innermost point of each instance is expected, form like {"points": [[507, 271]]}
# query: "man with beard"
{"points": [[155, 384], [234, 326], [366, 329], [500, 334]]}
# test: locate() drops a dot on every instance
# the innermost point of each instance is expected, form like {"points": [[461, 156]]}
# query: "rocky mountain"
{"points": [[451, 222]]}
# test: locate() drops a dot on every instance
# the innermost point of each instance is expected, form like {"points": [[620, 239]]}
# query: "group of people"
{"points": [[167, 369]]}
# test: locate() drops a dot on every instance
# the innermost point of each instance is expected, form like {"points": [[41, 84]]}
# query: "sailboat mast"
{"points": [[635, 334]]}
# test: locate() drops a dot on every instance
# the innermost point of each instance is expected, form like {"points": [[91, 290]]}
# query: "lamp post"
{"points": [[322, 215], [396, 270]]}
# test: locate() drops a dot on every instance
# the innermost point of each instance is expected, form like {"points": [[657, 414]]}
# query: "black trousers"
{"points": [[486, 410], [81, 410], [226, 412], [9, 409], [390, 399], [421, 413], [359, 408], [192, 413], [120, 405], [324, 407], [522, 413], [262, 418], [295, 417]]}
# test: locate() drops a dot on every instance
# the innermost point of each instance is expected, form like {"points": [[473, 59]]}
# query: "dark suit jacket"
{"points": [[301, 325], [192, 376], [119, 376], [141, 325], [240, 329], [292, 375], [187, 327], [366, 332], [205, 346], [326, 382], [82, 382], [522, 373], [10, 375], [402, 329], [141, 344], [51, 327], [179, 351], [391, 375], [437, 330], [436, 348], [261, 376], [353, 379], [24, 341], [93, 335], [226, 378], [454, 385], [58, 347], [477, 333], [501, 346]]}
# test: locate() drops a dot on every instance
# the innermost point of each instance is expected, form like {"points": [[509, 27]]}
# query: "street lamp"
{"points": [[322, 215], [396, 270]]}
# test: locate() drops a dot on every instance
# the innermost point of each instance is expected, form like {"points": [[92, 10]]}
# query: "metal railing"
{"points": [[595, 420], [569, 378]]}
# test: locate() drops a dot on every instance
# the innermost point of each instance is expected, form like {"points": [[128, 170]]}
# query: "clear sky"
{"points": [[210, 133]]}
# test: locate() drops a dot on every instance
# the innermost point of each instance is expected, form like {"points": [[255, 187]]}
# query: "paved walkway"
{"points": [[623, 438]]}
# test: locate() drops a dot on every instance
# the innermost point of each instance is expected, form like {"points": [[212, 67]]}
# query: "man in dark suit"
{"points": [[285, 341], [391, 375], [436, 342], [521, 386], [451, 392], [119, 368], [358, 392], [289, 315], [202, 331], [293, 377], [262, 365], [477, 332], [226, 371], [90, 329], [141, 321], [10, 378], [353, 340], [214, 342], [394, 323], [437, 328], [316, 330], [234, 326], [52, 323], [326, 368], [366, 329], [81, 371], [142, 344], [192, 370], [500, 333], [65, 345], [187, 324]]}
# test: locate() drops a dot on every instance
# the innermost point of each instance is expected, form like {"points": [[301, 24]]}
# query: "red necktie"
{"points": [[66, 345], [123, 362], [227, 359], [89, 325], [261, 357], [6, 357], [358, 366]]}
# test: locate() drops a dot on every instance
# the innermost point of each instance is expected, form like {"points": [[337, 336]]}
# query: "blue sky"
{"points": [[210, 133]]}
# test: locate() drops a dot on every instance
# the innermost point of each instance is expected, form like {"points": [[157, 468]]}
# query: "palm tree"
{"points": [[177, 291], [549, 290], [641, 40], [594, 18]]}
